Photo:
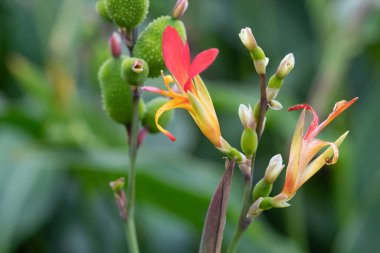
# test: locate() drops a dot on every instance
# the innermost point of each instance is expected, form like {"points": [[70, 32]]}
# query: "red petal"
{"points": [[172, 50], [202, 61], [338, 109], [315, 121], [186, 58]]}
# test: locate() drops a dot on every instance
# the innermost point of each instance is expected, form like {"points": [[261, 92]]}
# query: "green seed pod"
{"points": [[127, 13], [249, 141], [102, 11], [261, 189], [151, 109], [149, 45], [116, 94], [134, 71], [142, 109]]}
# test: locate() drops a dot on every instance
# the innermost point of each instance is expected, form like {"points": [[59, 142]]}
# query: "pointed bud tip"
{"points": [[248, 39], [180, 8], [115, 44], [286, 65]]}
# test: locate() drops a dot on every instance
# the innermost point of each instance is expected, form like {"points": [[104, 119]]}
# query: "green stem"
{"points": [[248, 179], [131, 192], [243, 216]]}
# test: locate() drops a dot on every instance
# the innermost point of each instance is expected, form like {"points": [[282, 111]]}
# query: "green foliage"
{"points": [[148, 46], [102, 11]]}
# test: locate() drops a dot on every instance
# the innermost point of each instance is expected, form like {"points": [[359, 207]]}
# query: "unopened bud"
{"points": [[248, 39], [115, 44], [249, 141], [246, 116], [275, 105], [117, 187], [180, 8], [285, 66], [274, 169]]}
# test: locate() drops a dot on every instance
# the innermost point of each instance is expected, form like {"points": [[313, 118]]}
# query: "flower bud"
{"points": [[114, 43], [278, 201], [134, 71], [249, 141], [262, 189], [149, 44], [152, 107], [274, 169], [285, 66], [127, 13], [116, 94], [246, 116], [117, 187], [180, 8], [248, 39], [271, 93]]}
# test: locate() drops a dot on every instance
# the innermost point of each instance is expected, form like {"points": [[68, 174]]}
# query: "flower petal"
{"points": [[321, 160], [173, 52], [339, 107], [202, 61], [315, 121], [293, 170], [171, 104]]}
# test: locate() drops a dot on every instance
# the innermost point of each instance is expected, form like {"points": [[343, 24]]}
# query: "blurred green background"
{"points": [[58, 150]]}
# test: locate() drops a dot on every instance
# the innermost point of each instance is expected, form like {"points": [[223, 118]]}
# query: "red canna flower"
{"points": [[190, 93], [305, 147]]}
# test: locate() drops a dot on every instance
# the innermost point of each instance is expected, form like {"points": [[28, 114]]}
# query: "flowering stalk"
{"points": [[132, 129]]}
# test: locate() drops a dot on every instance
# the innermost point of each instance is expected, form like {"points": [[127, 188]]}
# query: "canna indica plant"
{"points": [[162, 46]]}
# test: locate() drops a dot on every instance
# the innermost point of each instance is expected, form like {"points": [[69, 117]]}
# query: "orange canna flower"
{"points": [[304, 148], [189, 92]]}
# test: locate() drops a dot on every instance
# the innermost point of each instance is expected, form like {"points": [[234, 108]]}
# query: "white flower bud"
{"points": [[261, 65], [285, 66], [274, 168], [246, 117], [272, 93], [248, 39]]}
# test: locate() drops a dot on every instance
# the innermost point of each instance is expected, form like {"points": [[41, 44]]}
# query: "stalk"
{"points": [[248, 178]]}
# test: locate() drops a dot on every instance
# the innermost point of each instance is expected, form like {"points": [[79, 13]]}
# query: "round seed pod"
{"points": [[149, 44], [151, 109], [116, 94], [142, 109], [127, 13], [100, 8], [134, 71]]}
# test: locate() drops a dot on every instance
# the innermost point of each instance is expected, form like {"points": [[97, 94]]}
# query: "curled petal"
{"points": [[172, 104], [314, 123], [330, 156], [154, 90]]}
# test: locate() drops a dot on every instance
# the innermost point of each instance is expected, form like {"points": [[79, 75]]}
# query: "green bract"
{"points": [[151, 109], [149, 45], [134, 71], [116, 94], [127, 13]]}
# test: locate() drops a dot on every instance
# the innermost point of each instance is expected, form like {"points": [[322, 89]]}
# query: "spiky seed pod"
{"points": [[151, 109], [127, 13], [149, 45], [116, 94]]}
